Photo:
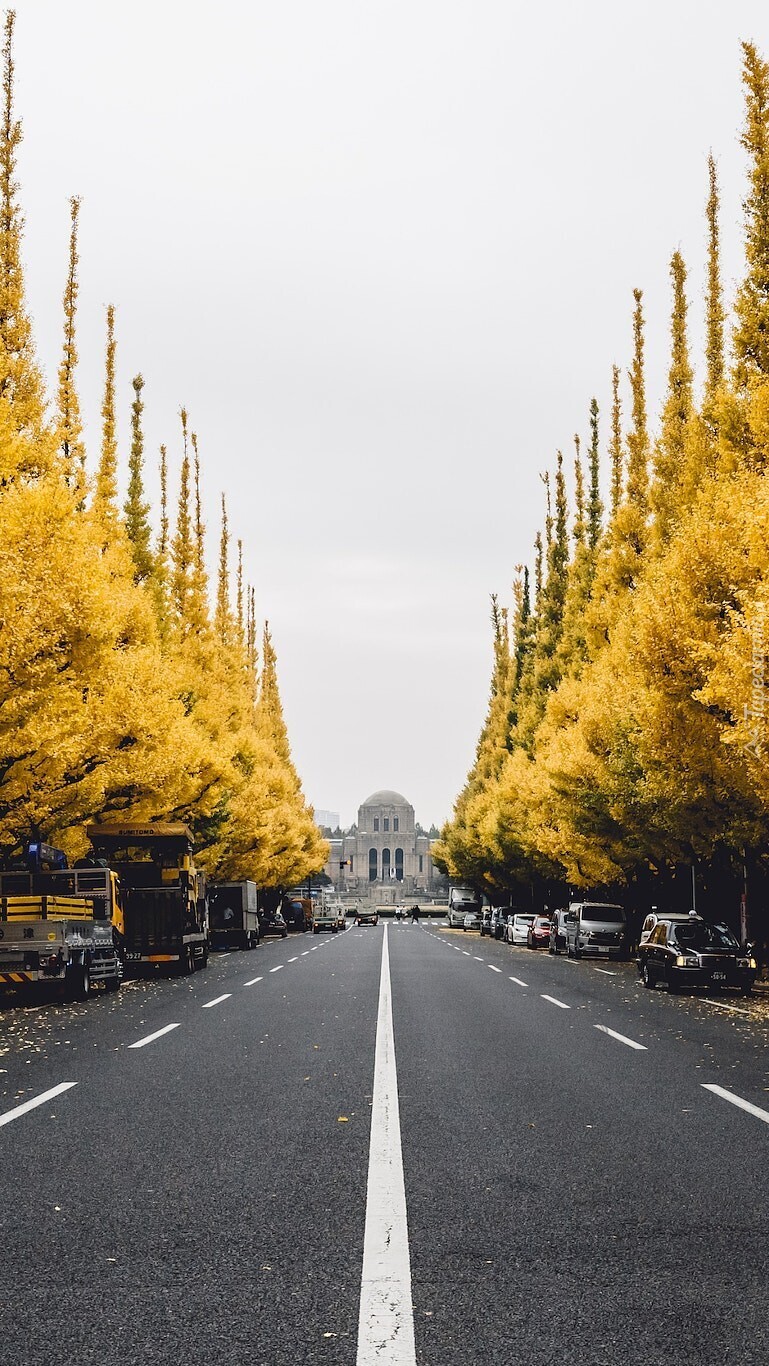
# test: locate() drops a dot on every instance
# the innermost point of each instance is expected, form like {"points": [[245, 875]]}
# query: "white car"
{"points": [[472, 921], [517, 928]]}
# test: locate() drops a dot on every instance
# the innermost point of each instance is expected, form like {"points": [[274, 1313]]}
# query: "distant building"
{"points": [[327, 819], [385, 860]]}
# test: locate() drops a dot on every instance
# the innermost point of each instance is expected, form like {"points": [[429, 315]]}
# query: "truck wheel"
{"points": [[187, 961], [82, 983]]}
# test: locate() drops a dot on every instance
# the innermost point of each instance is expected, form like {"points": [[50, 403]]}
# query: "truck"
{"points": [[462, 900], [60, 926], [165, 909], [232, 914]]}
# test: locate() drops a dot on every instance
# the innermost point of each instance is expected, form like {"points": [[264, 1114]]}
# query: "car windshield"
{"points": [[597, 912], [701, 935], [542, 922]]}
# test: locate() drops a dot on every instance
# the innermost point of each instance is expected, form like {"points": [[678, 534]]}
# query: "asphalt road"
{"points": [[202, 1198]]}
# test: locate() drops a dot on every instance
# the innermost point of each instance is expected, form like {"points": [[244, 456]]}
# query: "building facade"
{"points": [[385, 860]]}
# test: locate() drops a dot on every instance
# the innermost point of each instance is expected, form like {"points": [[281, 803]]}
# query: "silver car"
{"points": [[472, 921]]}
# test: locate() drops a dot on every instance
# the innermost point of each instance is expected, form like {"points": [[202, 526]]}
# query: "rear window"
{"points": [[524, 920]]}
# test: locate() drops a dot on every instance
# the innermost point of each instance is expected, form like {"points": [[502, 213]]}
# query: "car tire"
{"points": [[577, 952], [647, 976]]}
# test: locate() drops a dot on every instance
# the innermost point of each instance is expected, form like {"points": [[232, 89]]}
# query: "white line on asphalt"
{"points": [[38, 1100], [737, 1100], [518, 982], [554, 1001], [493, 969], [252, 982], [477, 959], [606, 972], [466, 953], [304, 955], [141, 1043], [631, 1043], [737, 1009], [386, 1321], [293, 960], [277, 969], [217, 1001]]}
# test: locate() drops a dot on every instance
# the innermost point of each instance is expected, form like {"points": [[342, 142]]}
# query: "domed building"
{"points": [[385, 860]]}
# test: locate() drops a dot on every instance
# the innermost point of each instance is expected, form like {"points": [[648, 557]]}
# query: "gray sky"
{"points": [[384, 252]]}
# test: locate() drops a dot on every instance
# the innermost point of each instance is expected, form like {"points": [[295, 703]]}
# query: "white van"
{"points": [[596, 927]]}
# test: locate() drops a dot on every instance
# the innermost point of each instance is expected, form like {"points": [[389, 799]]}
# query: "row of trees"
{"points": [[124, 690], [625, 740]]}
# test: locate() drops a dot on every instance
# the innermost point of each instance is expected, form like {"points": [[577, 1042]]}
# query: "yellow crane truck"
{"points": [[165, 910], [59, 926]]}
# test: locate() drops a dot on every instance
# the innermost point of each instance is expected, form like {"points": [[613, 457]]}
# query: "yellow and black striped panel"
{"points": [[10, 979]]}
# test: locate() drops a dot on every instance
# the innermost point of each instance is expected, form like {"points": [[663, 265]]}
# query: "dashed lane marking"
{"points": [[142, 1043], [28, 1105], [493, 969], [278, 968], [252, 982], [621, 1038], [518, 982], [736, 1100], [217, 1001], [293, 960], [554, 1001]]}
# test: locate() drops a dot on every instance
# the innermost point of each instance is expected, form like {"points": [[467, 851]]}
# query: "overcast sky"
{"points": [[384, 253]]}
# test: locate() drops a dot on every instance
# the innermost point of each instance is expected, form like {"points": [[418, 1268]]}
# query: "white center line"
{"points": [[493, 969], [277, 969], [737, 1100], [465, 952], [631, 1043], [386, 1321], [518, 982], [304, 955], [606, 972], [252, 982], [737, 1010], [38, 1100], [217, 1001], [477, 959], [553, 1001], [293, 960]]}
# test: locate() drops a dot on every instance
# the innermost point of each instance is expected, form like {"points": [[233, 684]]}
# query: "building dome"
{"points": [[385, 798]]}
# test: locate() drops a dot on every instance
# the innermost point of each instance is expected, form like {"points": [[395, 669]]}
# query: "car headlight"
{"points": [[746, 963], [687, 960]]}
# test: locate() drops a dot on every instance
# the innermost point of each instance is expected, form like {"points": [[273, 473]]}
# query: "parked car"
{"points": [[538, 933], [598, 928], [273, 923], [558, 932], [366, 917], [518, 931], [508, 930], [497, 923], [692, 952], [485, 925], [472, 921]]}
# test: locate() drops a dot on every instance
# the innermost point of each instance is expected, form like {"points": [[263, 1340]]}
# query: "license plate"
{"points": [[719, 976]]}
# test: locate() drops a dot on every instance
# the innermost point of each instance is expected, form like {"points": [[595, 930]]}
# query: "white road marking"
{"points": [[38, 1100], [141, 1043], [466, 953], [518, 982], [252, 982], [217, 1001], [606, 972], [386, 1321], [477, 959], [277, 969], [737, 1100], [293, 960], [493, 969], [631, 1043], [554, 1001], [304, 955], [737, 1009]]}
